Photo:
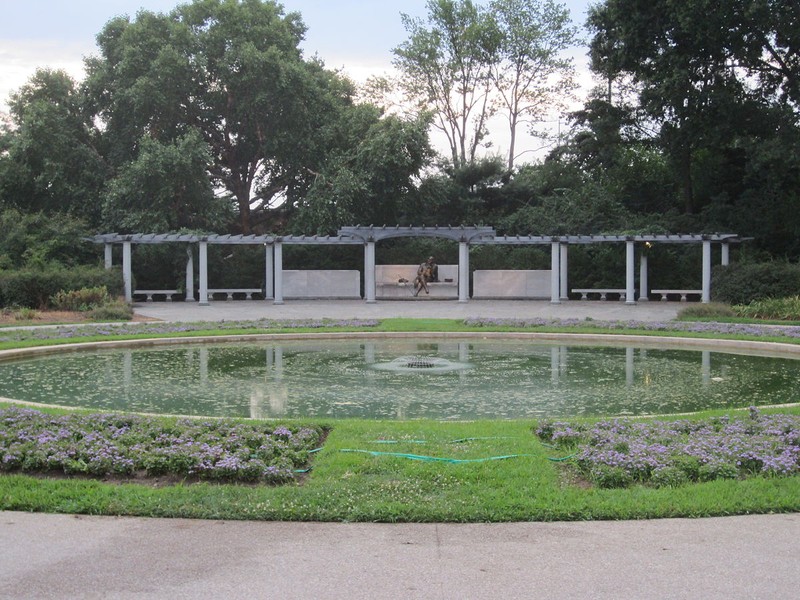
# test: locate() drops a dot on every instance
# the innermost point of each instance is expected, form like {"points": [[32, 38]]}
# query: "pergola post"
{"points": [[278, 251], [369, 272], [726, 253], [108, 261], [643, 283], [555, 273], [564, 291], [203, 260], [269, 272], [463, 272], [127, 277], [630, 280], [189, 274], [706, 272]]}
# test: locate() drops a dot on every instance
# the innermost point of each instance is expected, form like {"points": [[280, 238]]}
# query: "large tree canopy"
{"points": [[705, 70], [230, 70], [53, 160]]}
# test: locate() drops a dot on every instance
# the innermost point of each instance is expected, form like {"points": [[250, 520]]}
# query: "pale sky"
{"points": [[356, 35]]}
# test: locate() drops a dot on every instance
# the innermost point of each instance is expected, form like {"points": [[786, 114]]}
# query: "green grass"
{"points": [[346, 486]]}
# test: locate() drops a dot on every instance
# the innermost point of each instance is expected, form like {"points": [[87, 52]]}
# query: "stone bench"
{"points": [[148, 294], [684, 294], [602, 292], [397, 281], [229, 292]]}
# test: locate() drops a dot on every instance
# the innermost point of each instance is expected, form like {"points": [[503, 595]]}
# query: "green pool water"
{"points": [[401, 379]]}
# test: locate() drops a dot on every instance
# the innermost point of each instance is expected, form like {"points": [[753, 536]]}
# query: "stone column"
{"points": [[369, 272], [564, 291], [189, 274], [555, 273], [643, 297], [463, 272], [278, 252], [203, 260], [726, 253], [630, 281], [127, 277], [269, 272], [706, 272], [107, 256]]}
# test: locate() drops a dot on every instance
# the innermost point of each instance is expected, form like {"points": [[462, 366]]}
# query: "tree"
{"points": [[231, 70], [51, 158], [529, 71], [445, 70], [696, 65], [165, 188], [369, 179]]}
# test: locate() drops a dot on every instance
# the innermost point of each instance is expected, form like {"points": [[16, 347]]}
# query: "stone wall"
{"points": [[511, 284], [321, 284]]}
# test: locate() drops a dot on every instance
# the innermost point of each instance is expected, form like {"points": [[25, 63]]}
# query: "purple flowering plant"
{"points": [[620, 452], [126, 445]]}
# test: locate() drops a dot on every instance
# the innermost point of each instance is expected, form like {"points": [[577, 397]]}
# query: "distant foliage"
{"points": [[742, 283], [81, 300]]}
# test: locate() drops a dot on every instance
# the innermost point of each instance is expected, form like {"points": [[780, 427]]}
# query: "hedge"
{"points": [[33, 288], [742, 283]]}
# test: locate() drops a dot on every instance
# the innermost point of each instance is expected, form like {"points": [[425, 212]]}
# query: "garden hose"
{"points": [[434, 458]]}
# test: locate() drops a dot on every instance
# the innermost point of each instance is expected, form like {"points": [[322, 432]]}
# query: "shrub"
{"points": [[33, 288], [84, 299], [611, 477], [668, 477], [779, 309], [114, 311], [25, 314], [712, 310], [742, 283]]}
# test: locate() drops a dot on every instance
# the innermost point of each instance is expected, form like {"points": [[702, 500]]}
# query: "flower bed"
{"points": [[620, 452], [114, 444]]}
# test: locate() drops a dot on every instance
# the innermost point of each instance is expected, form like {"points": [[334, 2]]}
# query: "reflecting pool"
{"points": [[401, 379]]}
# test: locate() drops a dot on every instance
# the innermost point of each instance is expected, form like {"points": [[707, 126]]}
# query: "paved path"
{"points": [[432, 309], [64, 556]]}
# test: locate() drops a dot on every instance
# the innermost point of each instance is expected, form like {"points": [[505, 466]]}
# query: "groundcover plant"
{"points": [[113, 444], [747, 329], [619, 452], [75, 332]]}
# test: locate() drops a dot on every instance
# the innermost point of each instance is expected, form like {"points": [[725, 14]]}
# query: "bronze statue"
{"points": [[427, 272]]}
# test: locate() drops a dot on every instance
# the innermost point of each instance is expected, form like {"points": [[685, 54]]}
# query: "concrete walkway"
{"points": [[62, 556], [431, 309], [65, 556]]}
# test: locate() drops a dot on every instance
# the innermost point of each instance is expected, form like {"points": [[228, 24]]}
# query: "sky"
{"points": [[356, 35]]}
